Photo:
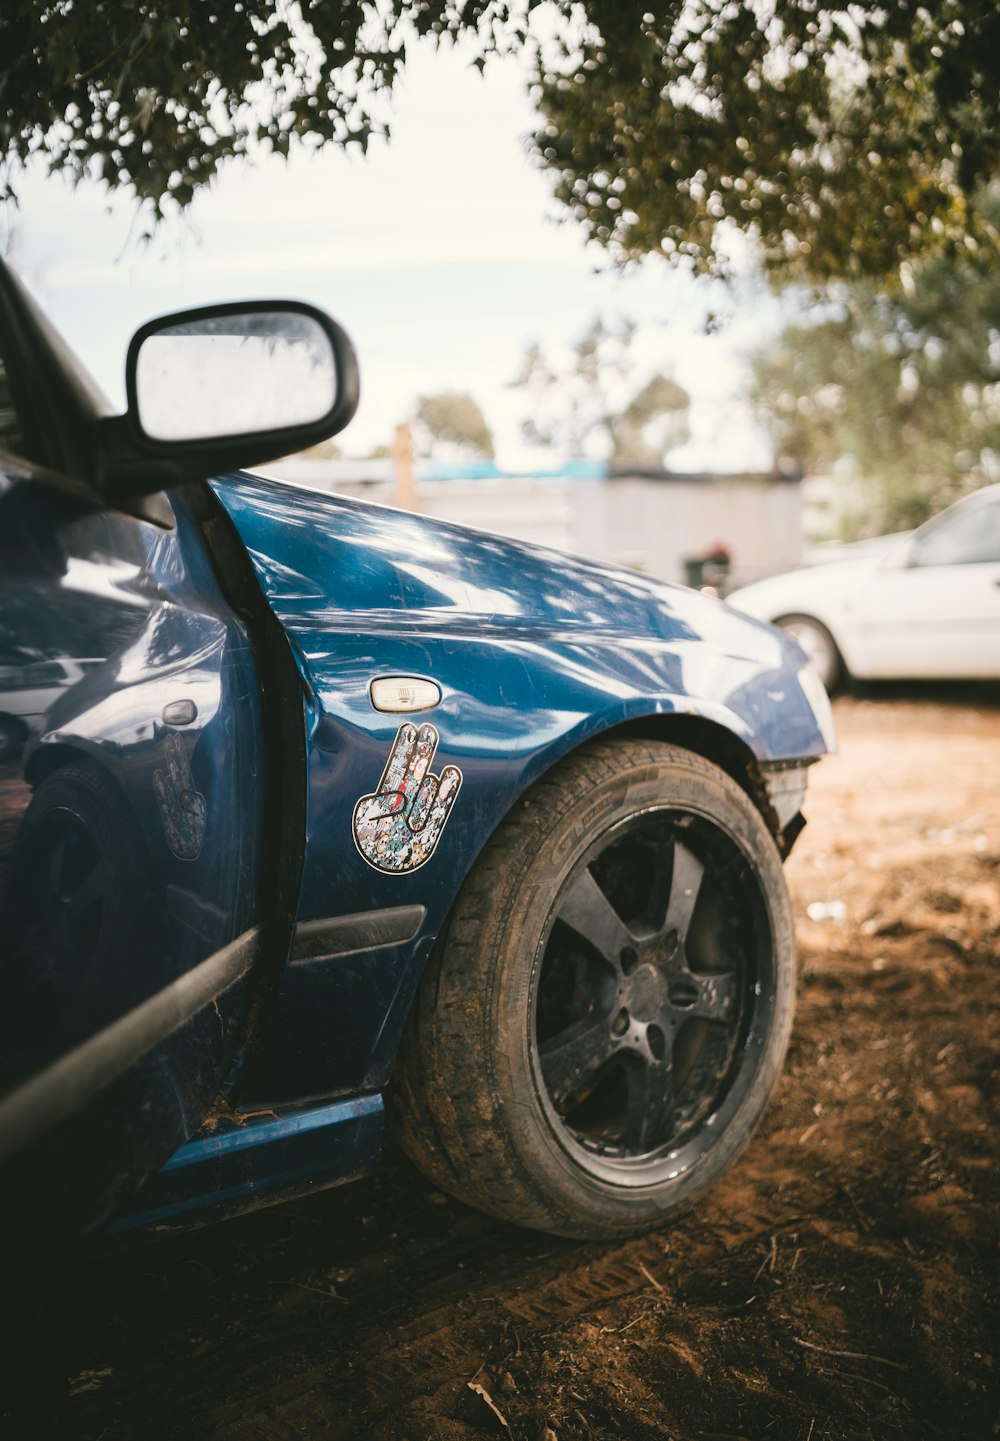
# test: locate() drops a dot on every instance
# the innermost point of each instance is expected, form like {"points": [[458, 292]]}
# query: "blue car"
{"points": [[315, 814]]}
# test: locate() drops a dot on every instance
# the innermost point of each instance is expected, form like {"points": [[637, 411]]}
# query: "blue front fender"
{"points": [[535, 652]]}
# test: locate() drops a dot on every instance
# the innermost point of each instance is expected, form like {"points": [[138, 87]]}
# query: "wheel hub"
{"points": [[645, 993]]}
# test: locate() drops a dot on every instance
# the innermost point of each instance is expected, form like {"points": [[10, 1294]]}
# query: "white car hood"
{"points": [[818, 590]]}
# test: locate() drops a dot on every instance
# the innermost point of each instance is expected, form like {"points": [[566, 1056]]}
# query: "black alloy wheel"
{"points": [[65, 880], [651, 976], [72, 917], [601, 1026]]}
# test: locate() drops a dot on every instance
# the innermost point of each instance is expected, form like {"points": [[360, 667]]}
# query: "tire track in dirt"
{"points": [[839, 1285], [473, 1292]]}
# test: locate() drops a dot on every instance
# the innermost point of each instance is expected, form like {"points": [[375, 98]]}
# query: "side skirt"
{"points": [[246, 1162]]}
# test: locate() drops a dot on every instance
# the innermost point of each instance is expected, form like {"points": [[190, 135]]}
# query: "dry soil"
{"points": [[841, 1284]]}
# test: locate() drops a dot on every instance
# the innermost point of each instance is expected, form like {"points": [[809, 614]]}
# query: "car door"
{"points": [[934, 610], [131, 797]]}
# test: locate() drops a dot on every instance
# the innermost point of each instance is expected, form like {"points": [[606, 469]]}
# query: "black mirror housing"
{"points": [[208, 391]]}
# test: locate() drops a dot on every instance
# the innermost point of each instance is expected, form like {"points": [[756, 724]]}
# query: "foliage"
{"points": [[902, 393], [849, 140], [597, 400], [451, 422], [155, 97]]}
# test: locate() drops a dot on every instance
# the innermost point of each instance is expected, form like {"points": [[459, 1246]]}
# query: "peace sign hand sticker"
{"points": [[398, 827], [182, 807]]}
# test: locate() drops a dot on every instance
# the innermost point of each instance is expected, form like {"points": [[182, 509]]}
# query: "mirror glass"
{"points": [[237, 374]]}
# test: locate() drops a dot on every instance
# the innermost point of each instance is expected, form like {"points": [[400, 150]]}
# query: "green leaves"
{"points": [[901, 390], [154, 100], [451, 424], [849, 141], [598, 402]]}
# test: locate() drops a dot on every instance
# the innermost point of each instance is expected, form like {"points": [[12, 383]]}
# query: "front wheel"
{"points": [[820, 646], [74, 919], [602, 1024]]}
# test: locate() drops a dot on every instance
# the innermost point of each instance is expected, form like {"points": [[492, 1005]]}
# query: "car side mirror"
{"points": [[227, 386]]}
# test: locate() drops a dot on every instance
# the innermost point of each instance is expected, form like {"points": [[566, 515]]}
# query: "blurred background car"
{"points": [[30, 684], [922, 606]]}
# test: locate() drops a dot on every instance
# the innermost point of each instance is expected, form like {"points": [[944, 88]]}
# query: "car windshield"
{"points": [[969, 536]]}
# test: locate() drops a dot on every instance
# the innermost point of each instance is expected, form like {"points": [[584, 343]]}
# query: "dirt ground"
{"points": [[842, 1283]]}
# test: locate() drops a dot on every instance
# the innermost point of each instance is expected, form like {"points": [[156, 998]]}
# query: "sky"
{"points": [[442, 253]]}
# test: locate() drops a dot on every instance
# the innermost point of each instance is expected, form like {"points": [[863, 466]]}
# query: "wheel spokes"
{"points": [[587, 910], [650, 1105], [685, 884], [89, 891], [632, 1084], [55, 874], [693, 994], [573, 1057]]}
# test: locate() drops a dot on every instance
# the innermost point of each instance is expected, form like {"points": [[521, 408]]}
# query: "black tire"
{"points": [[821, 648], [73, 918], [599, 1030]]}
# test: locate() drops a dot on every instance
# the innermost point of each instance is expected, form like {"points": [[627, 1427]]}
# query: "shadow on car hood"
{"points": [[323, 559]]}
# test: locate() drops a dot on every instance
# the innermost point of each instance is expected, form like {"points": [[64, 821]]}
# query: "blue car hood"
{"points": [[406, 567], [334, 567]]}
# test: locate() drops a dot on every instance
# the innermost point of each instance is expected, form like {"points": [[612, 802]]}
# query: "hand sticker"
{"points": [[182, 808], [397, 828]]}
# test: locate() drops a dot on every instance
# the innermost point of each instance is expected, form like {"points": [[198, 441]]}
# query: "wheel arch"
{"points": [[48, 760], [848, 666], [45, 760], [707, 738], [704, 737]]}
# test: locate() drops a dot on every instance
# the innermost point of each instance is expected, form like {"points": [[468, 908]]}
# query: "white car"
{"points": [[925, 606], [29, 690]]}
